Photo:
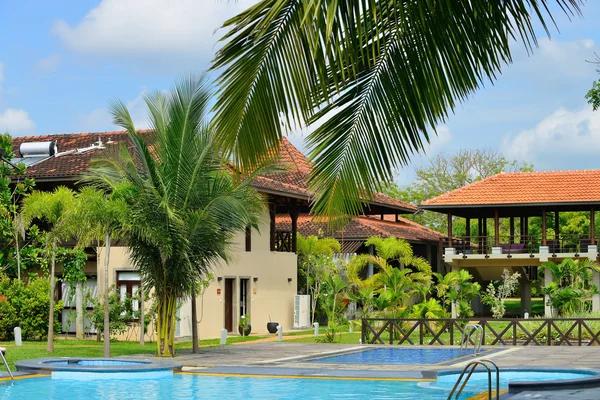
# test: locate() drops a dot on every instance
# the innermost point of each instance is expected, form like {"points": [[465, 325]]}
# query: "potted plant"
{"points": [[244, 326], [272, 326]]}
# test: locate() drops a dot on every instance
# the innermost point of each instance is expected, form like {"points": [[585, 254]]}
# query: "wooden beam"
{"points": [[294, 216], [544, 227], [272, 215], [450, 229], [592, 225], [496, 228], [512, 230]]}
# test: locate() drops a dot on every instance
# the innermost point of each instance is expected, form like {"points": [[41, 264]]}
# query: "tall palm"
{"points": [[373, 77], [185, 203], [56, 209], [101, 218]]}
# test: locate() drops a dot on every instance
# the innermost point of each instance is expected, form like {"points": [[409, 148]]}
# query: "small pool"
{"points": [[95, 363], [393, 355]]}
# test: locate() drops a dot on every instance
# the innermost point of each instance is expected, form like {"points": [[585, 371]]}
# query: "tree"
{"points": [[373, 78], [445, 173], [593, 95], [101, 217], [56, 209], [496, 294], [395, 280], [315, 262], [571, 284], [457, 290], [184, 201]]}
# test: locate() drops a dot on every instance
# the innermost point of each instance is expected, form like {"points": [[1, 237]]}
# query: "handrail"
{"points": [[466, 337], [473, 365], [2, 352]]}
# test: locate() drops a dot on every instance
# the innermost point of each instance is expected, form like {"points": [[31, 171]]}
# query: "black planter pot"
{"points": [[246, 332], [272, 327]]}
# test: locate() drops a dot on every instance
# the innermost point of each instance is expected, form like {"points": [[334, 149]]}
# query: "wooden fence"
{"points": [[505, 331]]}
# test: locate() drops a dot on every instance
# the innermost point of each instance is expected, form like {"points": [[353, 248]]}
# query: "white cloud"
{"points": [[156, 30], [100, 119], [563, 139], [49, 63], [16, 122]]}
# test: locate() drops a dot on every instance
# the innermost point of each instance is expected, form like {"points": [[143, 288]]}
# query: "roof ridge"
{"points": [[465, 187]]}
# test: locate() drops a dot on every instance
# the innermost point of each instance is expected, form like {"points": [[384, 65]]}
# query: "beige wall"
{"points": [[271, 294]]}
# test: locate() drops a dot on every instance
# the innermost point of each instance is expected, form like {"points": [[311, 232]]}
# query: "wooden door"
{"points": [[229, 304]]}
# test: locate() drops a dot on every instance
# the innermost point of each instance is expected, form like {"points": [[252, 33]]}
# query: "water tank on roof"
{"points": [[38, 149]]}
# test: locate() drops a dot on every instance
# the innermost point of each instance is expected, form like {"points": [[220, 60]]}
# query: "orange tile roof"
{"points": [[525, 188], [362, 228], [294, 181]]}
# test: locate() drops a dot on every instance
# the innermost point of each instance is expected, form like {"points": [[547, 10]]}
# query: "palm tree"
{"points": [[101, 218], [56, 209], [571, 283], [372, 77], [184, 202], [457, 290]]}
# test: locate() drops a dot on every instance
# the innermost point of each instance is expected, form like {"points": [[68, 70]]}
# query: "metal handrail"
{"points": [[2, 351], [466, 337], [473, 365]]}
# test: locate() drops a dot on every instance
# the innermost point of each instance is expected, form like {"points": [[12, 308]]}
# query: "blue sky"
{"points": [[61, 62]]}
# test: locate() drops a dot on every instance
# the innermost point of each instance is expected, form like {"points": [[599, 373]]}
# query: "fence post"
{"points": [[391, 331], [420, 332], [579, 332], [362, 330], [514, 333], [452, 332], [549, 333]]}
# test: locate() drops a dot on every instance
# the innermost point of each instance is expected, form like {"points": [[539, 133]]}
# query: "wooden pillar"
{"points": [[592, 225], [468, 230], [294, 216], [496, 228], [272, 215], [556, 225], [397, 218], [521, 229], [543, 227], [485, 231], [512, 230], [449, 229]]}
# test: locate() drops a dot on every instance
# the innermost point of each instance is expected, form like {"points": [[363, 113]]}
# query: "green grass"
{"points": [[92, 348], [513, 306]]}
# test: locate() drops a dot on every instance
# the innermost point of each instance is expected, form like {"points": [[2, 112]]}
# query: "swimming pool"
{"points": [[393, 355], [186, 386]]}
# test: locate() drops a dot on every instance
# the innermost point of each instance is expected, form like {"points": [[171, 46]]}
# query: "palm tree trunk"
{"points": [[194, 322], [166, 323], [142, 316], [50, 347], [106, 296]]}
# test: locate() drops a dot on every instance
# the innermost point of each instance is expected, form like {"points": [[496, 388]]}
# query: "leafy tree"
{"points": [[315, 264], [571, 284], [372, 76], [55, 209], [593, 95], [495, 294], [182, 196], [457, 290], [395, 281], [101, 217], [445, 173]]}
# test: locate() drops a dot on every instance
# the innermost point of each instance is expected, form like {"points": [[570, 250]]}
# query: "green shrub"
{"points": [[31, 304], [8, 315]]}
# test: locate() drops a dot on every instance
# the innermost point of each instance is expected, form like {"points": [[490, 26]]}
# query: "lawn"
{"points": [[513, 306]]}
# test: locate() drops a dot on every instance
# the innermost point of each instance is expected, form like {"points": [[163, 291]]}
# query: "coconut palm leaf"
{"points": [[372, 76]]}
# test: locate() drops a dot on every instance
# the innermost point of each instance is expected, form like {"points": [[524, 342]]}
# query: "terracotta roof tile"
{"points": [[555, 187], [362, 228]]}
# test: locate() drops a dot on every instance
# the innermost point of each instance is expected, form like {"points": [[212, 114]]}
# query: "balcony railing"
{"points": [[283, 241], [530, 244]]}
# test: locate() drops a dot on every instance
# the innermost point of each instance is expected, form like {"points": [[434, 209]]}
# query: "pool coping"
{"points": [[43, 366], [592, 381]]}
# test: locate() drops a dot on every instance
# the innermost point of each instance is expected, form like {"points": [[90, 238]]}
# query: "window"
{"points": [[128, 285]]}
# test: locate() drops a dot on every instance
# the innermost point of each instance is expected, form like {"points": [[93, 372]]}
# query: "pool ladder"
{"points": [[466, 339], [471, 368], [2, 352]]}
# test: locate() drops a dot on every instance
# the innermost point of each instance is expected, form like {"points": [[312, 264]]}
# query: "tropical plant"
{"points": [[571, 284], [457, 290], [185, 201], [54, 208], [429, 309], [372, 77], [244, 323], [316, 263], [392, 285], [101, 217], [495, 294]]}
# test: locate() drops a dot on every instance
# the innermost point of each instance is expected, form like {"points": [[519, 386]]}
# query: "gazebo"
{"points": [[518, 197]]}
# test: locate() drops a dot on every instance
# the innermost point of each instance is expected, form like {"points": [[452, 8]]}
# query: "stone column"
{"points": [[79, 312], [548, 278], [592, 255]]}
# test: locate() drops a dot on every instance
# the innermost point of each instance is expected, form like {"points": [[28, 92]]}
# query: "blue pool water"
{"points": [[179, 387], [394, 355], [95, 363]]}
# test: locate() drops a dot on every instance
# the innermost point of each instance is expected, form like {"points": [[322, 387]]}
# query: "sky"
{"points": [[62, 62]]}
